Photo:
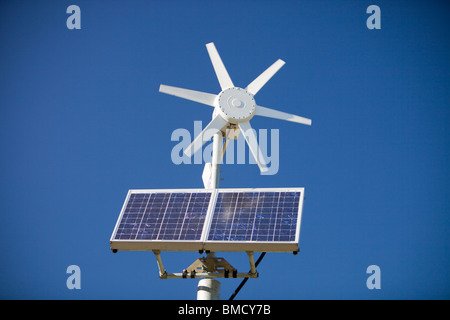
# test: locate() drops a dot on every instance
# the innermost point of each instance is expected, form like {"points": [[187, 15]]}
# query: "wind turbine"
{"points": [[233, 107]]}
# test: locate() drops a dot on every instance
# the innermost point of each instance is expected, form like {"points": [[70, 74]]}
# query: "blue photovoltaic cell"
{"points": [[163, 216], [255, 216]]}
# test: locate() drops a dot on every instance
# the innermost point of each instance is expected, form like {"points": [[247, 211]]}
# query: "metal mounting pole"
{"points": [[216, 158], [209, 288]]}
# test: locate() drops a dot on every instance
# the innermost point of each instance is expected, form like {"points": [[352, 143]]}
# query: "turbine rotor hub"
{"points": [[236, 105]]}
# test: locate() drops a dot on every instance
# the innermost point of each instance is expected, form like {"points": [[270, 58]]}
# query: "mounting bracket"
{"points": [[207, 267]]}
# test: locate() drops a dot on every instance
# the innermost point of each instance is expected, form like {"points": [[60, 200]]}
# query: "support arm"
{"points": [[251, 259], [162, 271]]}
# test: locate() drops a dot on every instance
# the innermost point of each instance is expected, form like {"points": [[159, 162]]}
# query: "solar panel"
{"points": [[216, 220], [258, 219], [155, 219], [255, 216]]}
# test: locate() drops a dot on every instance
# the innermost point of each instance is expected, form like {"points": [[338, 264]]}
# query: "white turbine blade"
{"points": [[271, 113], [219, 68], [262, 79], [252, 142], [197, 96], [215, 125]]}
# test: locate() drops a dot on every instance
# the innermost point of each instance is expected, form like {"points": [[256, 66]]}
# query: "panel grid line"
{"points": [[164, 215], [254, 218], [276, 214], [232, 220], [142, 218], [185, 214]]}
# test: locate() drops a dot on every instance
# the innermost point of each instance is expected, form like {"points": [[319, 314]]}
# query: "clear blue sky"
{"points": [[82, 121]]}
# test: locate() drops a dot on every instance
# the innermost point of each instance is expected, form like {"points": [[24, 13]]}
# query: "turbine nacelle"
{"points": [[236, 105]]}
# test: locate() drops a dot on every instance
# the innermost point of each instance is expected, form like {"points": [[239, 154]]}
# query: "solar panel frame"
{"points": [[163, 243], [204, 243]]}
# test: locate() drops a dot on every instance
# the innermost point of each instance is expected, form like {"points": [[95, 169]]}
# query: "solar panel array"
{"points": [[151, 218]]}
